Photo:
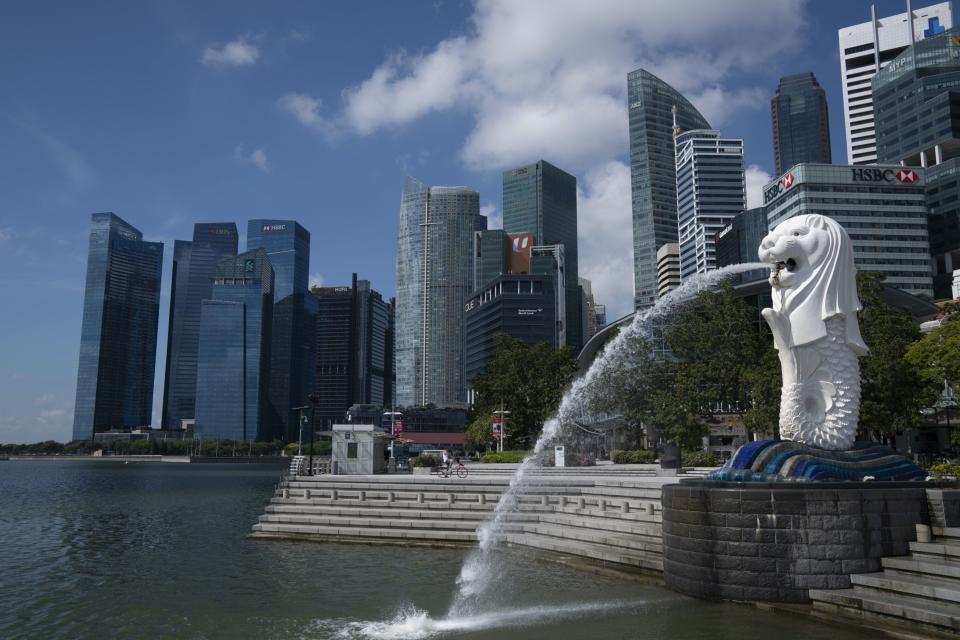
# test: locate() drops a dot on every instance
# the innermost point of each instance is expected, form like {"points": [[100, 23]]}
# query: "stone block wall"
{"points": [[775, 541]]}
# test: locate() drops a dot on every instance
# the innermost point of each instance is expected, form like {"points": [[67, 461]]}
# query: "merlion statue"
{"points": [[815, 330]]}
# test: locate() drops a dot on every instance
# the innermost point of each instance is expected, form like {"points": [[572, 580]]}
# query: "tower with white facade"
{"points": [[866, 48]]}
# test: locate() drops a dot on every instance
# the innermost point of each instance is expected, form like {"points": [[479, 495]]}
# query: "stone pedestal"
{"points": [[775, 541]]}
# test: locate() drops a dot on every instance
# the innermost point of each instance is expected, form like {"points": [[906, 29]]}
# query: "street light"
{"points": [[503, 423], [303, 419], [314, 399]]}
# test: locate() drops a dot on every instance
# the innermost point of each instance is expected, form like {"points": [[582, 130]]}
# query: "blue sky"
{"points": [[169, 113]]}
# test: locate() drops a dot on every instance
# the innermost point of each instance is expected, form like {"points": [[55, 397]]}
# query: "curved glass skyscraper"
{"points": [[434, 279], [653, 178]]}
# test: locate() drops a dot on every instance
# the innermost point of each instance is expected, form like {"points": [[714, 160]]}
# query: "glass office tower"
{"points": [[801, 128], [434, 279], [541, 199], [194, 267], [233, 363], [354, 342], [710, 192], [118, 338], [291, 370], [916, 99], [653, 179]]}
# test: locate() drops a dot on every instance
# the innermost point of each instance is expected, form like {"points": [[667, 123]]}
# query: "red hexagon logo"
{"points": [[907, 175]]}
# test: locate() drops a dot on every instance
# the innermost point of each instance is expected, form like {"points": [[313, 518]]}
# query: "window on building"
{"points": [[351, 450]]}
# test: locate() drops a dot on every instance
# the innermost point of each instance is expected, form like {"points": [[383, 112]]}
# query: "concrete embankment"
{"points": [[609, 519]]}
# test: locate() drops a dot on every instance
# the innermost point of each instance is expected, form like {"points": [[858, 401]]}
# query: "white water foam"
{"points": [[481, 566], [416, 624]]}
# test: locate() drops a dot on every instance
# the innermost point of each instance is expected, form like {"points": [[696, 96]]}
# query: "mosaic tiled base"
{"points": [[783, 460]]}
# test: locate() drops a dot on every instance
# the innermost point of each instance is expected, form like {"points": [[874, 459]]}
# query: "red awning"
{"points": [[433, 437]]}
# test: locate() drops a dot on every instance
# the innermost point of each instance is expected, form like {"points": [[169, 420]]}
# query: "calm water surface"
{"points": [[107, 550]]}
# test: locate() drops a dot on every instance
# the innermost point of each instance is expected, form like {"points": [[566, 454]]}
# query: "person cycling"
{"points": [[446, 461]]}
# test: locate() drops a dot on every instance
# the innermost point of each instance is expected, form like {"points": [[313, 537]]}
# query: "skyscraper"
{"points": [[233, 364], [866, 48], [541, 200], [917, 105], [118, 338], [434, 279], [710, 191], [653, 178], [291, 368], [801, 127], [354, 349], [194, 267]]}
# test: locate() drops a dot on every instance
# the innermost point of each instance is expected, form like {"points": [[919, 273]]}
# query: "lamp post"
{"points": [[502, 413], [314, 399], [303, 419]]}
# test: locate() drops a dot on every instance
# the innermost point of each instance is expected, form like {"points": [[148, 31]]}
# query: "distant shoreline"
{"points": [[154, 459]]}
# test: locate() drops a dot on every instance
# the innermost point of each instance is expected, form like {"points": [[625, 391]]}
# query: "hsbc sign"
{"points": [[274, 227], [781, 185], [869, 174]]}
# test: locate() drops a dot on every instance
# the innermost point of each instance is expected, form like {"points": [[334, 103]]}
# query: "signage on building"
{"points": [[496, 426], [274, 227], [868, 174], [781, 185], [528, 312], [249, 265], [219, 231]]}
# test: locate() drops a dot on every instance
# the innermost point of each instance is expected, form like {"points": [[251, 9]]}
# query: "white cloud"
{"points": [[236, 53], [316, 280], [718, 104], [257, 157], [606, 250], [306, 110], [550, 80], [756, 179], [43, 399], [493, 214]]}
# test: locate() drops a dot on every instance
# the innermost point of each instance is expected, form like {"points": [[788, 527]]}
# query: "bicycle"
{"points": [[458, 469]]}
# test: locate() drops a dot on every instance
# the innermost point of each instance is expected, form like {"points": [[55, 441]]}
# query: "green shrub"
{"points": [[632, 456], [503, 456], [425, 461], [944, 470], [699, 459]]}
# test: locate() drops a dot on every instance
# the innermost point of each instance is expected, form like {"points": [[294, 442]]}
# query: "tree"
{"points": [[527, 380], [893, 388], [937, 354]]}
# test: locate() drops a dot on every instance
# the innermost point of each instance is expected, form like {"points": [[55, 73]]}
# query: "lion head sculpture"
{"points": [[813, 278]]}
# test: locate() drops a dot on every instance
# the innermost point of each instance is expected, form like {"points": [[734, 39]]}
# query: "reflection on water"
{"points": [[100, 550]]}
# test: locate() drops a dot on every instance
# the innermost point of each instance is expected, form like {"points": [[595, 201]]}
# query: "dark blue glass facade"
{"points": [[542, 199], [354, 349], [801, 126], [194, 268], [653, 174], [233, 368], [118, 338], [287, 244]]}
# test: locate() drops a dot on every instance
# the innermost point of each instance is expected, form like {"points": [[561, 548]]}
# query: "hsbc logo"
{"points": [[782, 185], [274, 227], [884, 175], [907, 175]]}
